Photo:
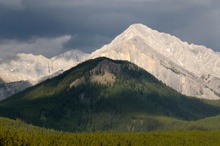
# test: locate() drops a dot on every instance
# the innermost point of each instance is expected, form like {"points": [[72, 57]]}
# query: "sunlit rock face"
{"points": [[24, 70], [190, 69], [32, 68]]}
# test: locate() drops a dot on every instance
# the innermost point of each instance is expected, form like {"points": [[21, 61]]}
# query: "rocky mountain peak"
{"points": [[70, 55], [141, 28], [178, 64]]}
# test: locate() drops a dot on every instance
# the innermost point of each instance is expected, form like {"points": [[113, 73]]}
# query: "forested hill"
{"points": [[103, 94]]}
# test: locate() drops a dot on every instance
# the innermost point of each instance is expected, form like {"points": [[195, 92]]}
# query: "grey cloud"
{"points": [[86, 43], [44, 46], [92, 23], [11, 4], [204, 30]]}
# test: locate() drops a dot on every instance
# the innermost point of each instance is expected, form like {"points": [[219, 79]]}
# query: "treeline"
{"points": [[24, 136]]}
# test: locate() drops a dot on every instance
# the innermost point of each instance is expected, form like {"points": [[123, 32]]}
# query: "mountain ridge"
{"points": [[188, 68], [36, 68], [104, 94], [151, 49]]}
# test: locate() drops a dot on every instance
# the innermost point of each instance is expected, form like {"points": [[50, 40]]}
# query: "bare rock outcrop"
{"points": [[178, 64]]}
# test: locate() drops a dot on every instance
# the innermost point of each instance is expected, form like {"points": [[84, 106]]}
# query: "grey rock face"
{"points": [[24, 70], [181, 66], [9, 89], [32, 68]]}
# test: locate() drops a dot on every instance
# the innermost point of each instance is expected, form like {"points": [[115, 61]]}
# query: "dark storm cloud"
{"points": [[87, 42], [93, 23]]}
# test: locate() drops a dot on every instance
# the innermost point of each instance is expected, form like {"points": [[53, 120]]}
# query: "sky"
{"points": [[52, 27]]}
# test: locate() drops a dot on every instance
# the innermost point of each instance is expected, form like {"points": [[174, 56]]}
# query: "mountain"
{"points": [[32, 69], [187, 68], [8, 89], [104, 94], [190, 69]]}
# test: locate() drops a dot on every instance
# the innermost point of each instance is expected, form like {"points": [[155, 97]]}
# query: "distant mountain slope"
{"points": [[190, 69], [8, 89], [103, 94], [34, 69]]}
